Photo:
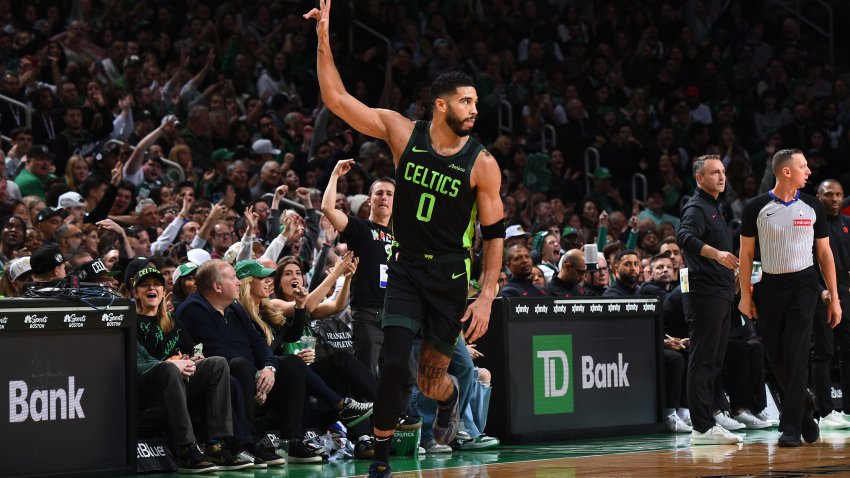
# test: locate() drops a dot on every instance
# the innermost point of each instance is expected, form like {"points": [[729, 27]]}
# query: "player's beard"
{"points": [[456, 124]]}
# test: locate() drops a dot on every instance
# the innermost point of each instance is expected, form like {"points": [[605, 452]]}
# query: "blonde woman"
{"points": [[270, 319], [76, 172], [182, 155], [171, 375]]}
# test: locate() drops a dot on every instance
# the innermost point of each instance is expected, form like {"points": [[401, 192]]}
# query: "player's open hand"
{"points": [[479, 312]]}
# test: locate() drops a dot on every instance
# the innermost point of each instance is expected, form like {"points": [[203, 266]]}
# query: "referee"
{"points": [[708, 288], [788, 223]]}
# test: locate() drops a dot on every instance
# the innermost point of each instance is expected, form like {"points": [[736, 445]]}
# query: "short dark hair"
{"points": [[448, 83], [659, 256], [668, 240], [385, 179], [782, 157], [699, 163], [623, 253]]}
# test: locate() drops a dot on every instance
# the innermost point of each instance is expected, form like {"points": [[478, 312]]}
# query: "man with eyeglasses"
{"points": [[12, 237], [221, 239], [69, 237], [571, 272], [597, 281], [37, 173]]}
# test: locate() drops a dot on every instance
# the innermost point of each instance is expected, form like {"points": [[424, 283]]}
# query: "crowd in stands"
{"points": [[153, 146]]}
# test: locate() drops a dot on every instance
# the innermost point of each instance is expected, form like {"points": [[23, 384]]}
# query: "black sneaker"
{"points": [[300, 452], [365, 448], [447, 421], [406, 424], [265, 450], [809, 427], [257, 461], [354, 412], [191, 460], [224, 460], [789, 440], [379, 469]]}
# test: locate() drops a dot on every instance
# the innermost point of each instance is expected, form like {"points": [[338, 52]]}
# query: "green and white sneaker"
{"points": [[480, 442]]}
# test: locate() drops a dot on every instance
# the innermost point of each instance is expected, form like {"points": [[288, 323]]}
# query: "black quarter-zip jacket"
{"points": [[703, 223]]}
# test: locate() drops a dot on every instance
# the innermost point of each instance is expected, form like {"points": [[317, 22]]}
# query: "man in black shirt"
{"points": [[831, 194], [570, 274], [789, 225], [661, 277], [519, 285], [707, 296], [370, 240], [626, 271]]}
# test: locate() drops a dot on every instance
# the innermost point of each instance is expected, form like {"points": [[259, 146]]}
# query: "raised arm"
{"points": [[486, 179], [388, 125], [338, 219]]}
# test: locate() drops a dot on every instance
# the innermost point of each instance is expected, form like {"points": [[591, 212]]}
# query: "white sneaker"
{"points": [[715, 435], [833, 421], [724, 420], [751, 422], [676, 425], [420, 451], [765, 417], [432, 446], [688, 421]]}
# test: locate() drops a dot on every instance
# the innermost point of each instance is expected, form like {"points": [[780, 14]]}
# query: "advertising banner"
{"points": [[581, 364], [65, 390]]}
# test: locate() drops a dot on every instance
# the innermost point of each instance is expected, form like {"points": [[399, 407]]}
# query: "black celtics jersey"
{"points": [[434, 209]]}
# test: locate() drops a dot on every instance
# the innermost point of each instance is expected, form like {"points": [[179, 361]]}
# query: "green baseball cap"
{"points": [[222, 154], [602, 173], [252, 268], [183, 270], [569, 230]]}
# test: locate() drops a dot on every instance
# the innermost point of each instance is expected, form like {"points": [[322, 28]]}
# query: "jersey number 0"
{"points": [[426, 207]]}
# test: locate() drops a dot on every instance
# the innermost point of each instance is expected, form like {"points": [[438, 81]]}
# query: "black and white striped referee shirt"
{"points": [[785, 231]]}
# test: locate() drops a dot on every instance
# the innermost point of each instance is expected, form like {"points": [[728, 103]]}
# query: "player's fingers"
{"points": [[466, 314], [314, 14]]}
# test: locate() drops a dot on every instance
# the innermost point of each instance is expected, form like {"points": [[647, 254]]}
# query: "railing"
{"points": [[590, 153], [506, 117], [793, 6], [28, 111], [181, 175], [638, 177], [367, 29], [552, 137]]}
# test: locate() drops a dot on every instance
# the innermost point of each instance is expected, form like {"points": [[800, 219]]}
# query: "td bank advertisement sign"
{"points": [[583, 371]]}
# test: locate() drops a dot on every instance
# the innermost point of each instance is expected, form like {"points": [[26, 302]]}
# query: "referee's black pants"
{"points": [[786, 305], [824, 339], [708, 325]]}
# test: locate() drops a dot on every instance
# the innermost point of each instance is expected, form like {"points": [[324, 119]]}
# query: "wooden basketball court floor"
{"points": [[660, 455]]}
